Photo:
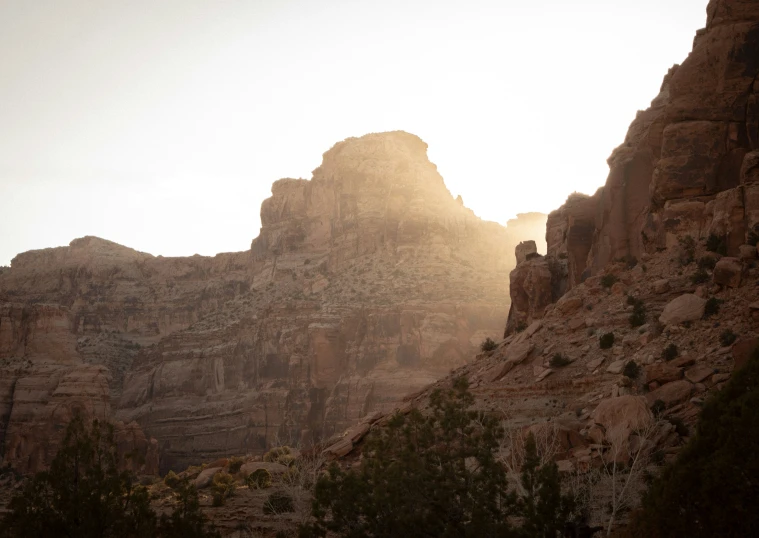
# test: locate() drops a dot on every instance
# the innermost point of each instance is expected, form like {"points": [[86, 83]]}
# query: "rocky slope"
{"points": [[365, 283], [663, 257]]}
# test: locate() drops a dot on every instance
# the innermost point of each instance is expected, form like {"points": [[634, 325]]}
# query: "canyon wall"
{"points": [[365, 283], [688, 167]]}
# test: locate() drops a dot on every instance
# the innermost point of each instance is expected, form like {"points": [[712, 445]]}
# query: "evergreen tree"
{"points": [[84, 495], [436, 474], [712, 489], [544, 509], [187, 521]]}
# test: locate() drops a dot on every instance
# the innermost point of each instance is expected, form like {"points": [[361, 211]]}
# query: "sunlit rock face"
{"points": [[365, 283], [687, 166]]}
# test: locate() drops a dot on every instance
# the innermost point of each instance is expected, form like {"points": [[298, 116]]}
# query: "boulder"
{"points": [[663, 373], [661, 286], [568, 304], [743, 349], [621, 416], [698, 373], [728, 272], [204, 478], [671, 393], [616, 367], [273, 467], [687, 307]]}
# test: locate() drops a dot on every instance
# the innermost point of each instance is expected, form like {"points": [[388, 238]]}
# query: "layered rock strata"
{"points": [[366, 282]]}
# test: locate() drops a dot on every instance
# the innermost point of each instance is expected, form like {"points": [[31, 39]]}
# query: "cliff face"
{"points": [[646, 299], [688, 165], [366, 282]]}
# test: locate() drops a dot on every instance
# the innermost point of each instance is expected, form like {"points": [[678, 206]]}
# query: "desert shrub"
{"points": [[172, 480], [631, 370], [607, 281], [488, 345], [700, 277], [658, 407], [716, 243], [727, 338], [235, 464], [559, 361], [277, 453], [753, 236], [278, 503], [222, 487], [606, 340], [711, 488], [688, 246], [638, 316], [521, 327], [670, 352], [680, 427], [707, 262], [711, 308], [259, 479]]}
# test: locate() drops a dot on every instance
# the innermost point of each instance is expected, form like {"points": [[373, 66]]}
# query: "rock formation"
{"points": [[365, 283], [646, 299], [688, 166]]}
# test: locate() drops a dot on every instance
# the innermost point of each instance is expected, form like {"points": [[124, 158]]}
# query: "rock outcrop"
{"points": [[689, 165], [365, 283]]}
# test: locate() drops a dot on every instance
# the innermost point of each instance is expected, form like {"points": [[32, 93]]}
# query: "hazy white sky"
{"points": [[161, 124]]}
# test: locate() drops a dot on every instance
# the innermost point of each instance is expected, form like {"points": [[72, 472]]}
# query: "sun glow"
{"points": [[162, 125]]}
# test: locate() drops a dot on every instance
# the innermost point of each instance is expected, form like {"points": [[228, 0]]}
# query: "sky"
{"points": [[161, 124]]}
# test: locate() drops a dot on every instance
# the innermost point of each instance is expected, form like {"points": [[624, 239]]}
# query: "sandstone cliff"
{"points": [[366, 282], [687, 166], [646, 299]]}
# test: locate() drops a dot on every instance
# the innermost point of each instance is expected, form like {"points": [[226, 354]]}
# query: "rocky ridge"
{"points": [[365, 283]]}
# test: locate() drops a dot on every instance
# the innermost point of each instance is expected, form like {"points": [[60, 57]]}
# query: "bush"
{"points": [[727, 338], [658, 407], [711, 488], [606, 340], [638, 317], [488, 345], [711, 308], [631, 370], [607, 281], [278, 503], [277, 454], [715, 243], [222, 487], [700, 277], [707, 262], [688, 244], [559, 361], [669, 353], [680, 427], [172, 480], [259, 479], [235, 464]]}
